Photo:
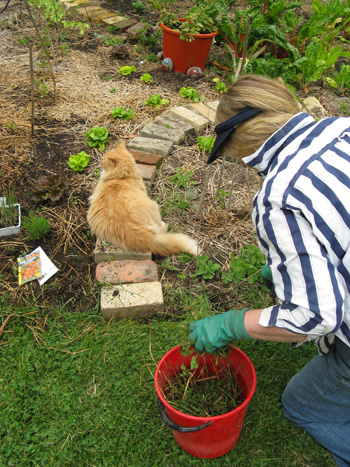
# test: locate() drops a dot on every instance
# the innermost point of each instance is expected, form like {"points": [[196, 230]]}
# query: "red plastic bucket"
{"points": [[205, 437], [186, 54]]}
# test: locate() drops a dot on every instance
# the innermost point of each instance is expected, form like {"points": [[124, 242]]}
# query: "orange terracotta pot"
{"points": [[185, 54]]}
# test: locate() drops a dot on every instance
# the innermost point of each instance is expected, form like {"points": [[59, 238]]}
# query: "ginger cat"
{"points": [[122, 214]]}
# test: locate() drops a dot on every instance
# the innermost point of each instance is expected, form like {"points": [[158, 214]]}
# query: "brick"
{"points": [[147, 158], [132, 300], [88, 8], [95, 15], [124, 25], [152, 130], [114, 20], [148, 172], [205, 111], [75, 4], [127, 272], [104, 253], [152, 145], [197, 121], [171, 121], [213, 105], [134, 31]]}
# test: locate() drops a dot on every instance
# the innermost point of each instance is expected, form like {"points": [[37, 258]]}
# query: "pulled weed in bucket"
{"points": [[204, 393]]}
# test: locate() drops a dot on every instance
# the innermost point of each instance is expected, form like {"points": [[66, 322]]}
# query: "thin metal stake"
{"points": [[235, 162]]}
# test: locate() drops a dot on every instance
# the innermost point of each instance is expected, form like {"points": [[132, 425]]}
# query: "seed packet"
{"points": [[29, 267], [35, 265]]}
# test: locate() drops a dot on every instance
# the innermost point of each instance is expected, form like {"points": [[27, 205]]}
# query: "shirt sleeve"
{"points": [[309, 289]]}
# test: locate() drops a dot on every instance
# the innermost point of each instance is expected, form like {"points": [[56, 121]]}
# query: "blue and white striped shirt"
{"points": [[302, 217]]}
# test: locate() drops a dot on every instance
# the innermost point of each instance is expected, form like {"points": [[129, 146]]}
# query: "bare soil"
{"points": [[86, 72]]}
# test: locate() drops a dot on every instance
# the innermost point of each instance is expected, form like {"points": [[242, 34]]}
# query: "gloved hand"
{"points": [[216, 331], [266, 273]]}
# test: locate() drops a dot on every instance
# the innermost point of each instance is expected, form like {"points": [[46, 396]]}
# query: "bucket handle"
{"points": [[182, 429]]}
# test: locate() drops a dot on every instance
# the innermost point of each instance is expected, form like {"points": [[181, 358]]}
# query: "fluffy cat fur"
{"points": [[122, 214]]}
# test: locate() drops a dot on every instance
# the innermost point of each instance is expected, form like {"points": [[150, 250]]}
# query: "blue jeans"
{"points": [[318, 400]]}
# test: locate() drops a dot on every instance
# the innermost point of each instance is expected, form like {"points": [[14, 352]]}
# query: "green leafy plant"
{"points": [[127, 70], [123, 114], [138, 6], [316, 61], [198, 20], [190, 93], [97, 137], [245, 267], [206, 268], [206, 143], [79, 161], [110, 40], [340, 81], [149, 36], [182, 178], [156, 101], [146, 78], [8, 209], [37, 226], [50, 188], [220, 86]]}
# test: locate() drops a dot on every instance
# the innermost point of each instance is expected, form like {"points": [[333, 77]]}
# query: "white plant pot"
{"points": [[13, 229]]}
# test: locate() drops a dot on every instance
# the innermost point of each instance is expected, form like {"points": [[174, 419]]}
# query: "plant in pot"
{"points": [[10, 215], [187, 39]]}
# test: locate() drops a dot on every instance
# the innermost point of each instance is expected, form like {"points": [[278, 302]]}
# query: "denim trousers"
{"points": [[317, 399]]}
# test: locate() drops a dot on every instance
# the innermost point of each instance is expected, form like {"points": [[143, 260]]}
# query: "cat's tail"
{"points": [[167, 244]]}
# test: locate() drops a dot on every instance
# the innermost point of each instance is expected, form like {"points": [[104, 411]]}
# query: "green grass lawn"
{"points": [[78, 391]]}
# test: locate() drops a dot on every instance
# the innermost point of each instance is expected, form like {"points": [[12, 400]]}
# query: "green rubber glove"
{"points": [[216, 331], [266, 273]]}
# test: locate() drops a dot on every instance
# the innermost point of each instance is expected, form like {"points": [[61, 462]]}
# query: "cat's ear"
{"points": [[110, 161]]}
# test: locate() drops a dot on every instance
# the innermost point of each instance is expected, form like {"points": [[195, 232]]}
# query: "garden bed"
{"points": [[88, 86]]}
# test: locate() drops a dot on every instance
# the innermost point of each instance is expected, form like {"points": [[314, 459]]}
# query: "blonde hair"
{"points": [[275, 100]]}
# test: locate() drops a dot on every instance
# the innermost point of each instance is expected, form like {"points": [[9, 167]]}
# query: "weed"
{"points": [[37, 226], [8, 209], [219, 86], [110, 40], [206, 143], [206, 268], [345, 108], [182, 178], [149, 37], [222, 195], [245, 267], [138, 6]]}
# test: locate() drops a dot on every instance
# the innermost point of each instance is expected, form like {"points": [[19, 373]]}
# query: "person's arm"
{"points": [[269, 333]]}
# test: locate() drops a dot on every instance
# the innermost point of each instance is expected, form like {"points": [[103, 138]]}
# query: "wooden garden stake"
{"points": [[201, 201], [221, 174], [230, 197], [31, 84], [45, 51]]}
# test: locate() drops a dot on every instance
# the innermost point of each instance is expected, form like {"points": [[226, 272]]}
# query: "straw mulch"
{"points": [[84, 78]]}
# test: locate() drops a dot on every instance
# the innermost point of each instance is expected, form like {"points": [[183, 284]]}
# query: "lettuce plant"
{"points": [[190, 93], [123, 114], [156, 101], [79, 161], [97, 137], [127, 70]]}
